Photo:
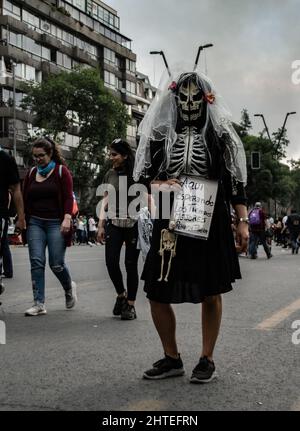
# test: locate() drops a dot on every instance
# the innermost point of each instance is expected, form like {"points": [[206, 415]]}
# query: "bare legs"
{"points": [[211, 321], [165, 323]]}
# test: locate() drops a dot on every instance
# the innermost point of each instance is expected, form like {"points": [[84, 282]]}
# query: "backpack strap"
{"points": [[60, 171]]}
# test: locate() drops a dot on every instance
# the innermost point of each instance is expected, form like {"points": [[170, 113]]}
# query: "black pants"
{"points": [[3, 237], [115, 237]]}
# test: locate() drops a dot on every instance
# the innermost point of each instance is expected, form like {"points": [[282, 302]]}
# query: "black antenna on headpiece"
{"points": [[208, 45], [165, 61]]}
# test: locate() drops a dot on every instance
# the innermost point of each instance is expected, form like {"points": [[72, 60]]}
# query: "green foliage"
{"points": [[280, 143], [79, 98], [274, 180], [245, 125]]}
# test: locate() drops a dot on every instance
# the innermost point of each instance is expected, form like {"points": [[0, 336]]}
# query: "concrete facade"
{"points": [[47, 36]]}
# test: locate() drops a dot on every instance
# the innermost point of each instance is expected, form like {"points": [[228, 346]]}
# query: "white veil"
{"points": [[159, 124]]}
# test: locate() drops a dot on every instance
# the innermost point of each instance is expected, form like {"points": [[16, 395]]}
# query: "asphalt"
{"points": [[86, 359]]}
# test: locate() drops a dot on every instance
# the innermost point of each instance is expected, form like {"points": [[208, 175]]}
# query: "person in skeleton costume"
{"points": [[187, 131]]}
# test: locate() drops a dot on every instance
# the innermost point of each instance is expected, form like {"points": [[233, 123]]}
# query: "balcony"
{"points": [[14, 24]]}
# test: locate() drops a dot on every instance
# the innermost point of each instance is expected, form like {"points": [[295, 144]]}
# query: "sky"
{"points": [[255, 43]]}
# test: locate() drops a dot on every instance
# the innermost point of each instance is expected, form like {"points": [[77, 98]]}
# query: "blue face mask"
{"points": [[46, 169]]}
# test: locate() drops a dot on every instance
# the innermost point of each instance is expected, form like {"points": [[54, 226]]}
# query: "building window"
{"points": [[64, 60], [130, 87], [11, 9], [109, 79], [109, 56], [8, 98], [80, 4], [131, 131], [139, 90], [30, 19], [130, 67]]}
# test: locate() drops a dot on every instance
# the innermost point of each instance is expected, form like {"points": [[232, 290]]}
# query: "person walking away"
{"points": [[9, 181], [92, 230], [80, 230], [257, 227], [293, 226], [48, 200], [117, 230]]}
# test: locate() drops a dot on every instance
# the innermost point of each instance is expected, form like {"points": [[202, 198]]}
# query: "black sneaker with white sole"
{"points": [[204, 372], [166, 367]]}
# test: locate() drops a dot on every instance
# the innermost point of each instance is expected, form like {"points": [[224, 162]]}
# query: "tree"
{"points": [[273, 179], [79, 98], [280, 143], [245, 124]]}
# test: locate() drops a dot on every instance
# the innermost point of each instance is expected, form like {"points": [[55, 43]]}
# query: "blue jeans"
{"points": [[255, 238], [41, 233]]}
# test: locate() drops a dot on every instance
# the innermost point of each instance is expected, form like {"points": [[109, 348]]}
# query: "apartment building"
{"points": [[39, 37]]}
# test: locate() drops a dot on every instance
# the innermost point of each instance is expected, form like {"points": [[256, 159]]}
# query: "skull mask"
{"points": [[190, 99]]}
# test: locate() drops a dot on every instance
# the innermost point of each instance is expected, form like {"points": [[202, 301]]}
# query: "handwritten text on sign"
{"points": [[194, 206]]}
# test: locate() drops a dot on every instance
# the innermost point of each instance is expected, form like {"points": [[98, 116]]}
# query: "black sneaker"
{"points": [[204, 372], [166, 367], [2, 288], [128, 312], [121, 302]]}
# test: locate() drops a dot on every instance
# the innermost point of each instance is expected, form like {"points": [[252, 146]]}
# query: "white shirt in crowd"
{"points": [[92, 225]]}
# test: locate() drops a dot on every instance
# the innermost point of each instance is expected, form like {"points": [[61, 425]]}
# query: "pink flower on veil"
{"points": [[173, 86], [209, 97]]}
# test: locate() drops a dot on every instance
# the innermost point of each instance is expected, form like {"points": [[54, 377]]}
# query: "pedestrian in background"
{"points": [[293, 225], [80, 230], [9, 181], [92, 230], [117, 230], [257, 227], [6, 266], [48, 199]]}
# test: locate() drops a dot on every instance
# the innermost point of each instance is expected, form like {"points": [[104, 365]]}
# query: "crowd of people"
{"points": [[264, 230], [197, 266]]}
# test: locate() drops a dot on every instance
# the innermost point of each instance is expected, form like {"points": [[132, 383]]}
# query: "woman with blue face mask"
{"points": [[48, 200]]}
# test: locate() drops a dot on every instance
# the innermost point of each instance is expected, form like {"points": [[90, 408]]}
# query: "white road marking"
{"points": [[279, 316]]}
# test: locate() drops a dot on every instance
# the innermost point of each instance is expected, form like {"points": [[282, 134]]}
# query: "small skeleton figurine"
{"points": [[168, 241]]}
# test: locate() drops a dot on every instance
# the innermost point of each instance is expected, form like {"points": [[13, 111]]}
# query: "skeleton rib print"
{"points": [[188, 154]]}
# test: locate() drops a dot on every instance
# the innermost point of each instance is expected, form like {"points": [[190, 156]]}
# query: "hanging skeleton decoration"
{"points": [[168, 241]]}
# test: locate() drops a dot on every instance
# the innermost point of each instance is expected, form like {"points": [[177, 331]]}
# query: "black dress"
{"points": [[201, 267]]}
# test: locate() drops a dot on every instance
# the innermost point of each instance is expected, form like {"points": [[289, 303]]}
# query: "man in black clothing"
{"points": [[293, 225], [9, 181]]}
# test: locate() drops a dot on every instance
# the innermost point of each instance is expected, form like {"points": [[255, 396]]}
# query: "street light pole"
{"points": [[283, 128], [266, 127], [164, 58], [276, 145], [208, 45]]}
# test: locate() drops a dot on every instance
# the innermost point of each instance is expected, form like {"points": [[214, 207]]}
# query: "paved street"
{"points": [[85, 359]]}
